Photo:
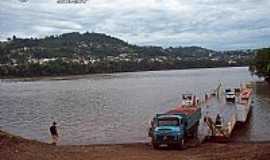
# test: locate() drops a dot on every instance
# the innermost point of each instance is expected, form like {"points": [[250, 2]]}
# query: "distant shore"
{"points": [[79, 76], [14, 147]]}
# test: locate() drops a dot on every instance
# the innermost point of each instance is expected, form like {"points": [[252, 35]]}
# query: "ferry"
{"points": [[244, 105], [242, 98], [226, 107]]}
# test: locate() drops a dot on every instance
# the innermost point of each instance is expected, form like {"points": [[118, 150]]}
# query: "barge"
{"points": [[224, 108], [213, 116]]}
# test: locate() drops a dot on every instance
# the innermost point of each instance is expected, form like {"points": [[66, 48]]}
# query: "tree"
{"points": [[261, 65]]}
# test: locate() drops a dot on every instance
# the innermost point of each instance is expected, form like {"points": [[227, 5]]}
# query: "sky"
{"points": [[214, 24]]}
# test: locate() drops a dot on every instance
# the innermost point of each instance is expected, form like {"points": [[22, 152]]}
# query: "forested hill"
{"points": [[66, 45], [88, 44], [95, 53], [261, 64]]}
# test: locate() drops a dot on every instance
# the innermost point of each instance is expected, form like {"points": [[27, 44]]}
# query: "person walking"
{"points": [[54, 133]]}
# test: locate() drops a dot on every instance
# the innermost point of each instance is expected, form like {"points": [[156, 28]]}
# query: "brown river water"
{"points": [[117, 108]]}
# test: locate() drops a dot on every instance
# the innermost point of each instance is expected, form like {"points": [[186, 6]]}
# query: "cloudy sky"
{"points": [[215, 24]]}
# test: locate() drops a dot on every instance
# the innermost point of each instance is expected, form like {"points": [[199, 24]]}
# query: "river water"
{"points": [[117, 108]]}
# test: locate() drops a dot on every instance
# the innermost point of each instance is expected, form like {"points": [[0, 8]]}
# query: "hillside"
{"points": [[76, 53], [89, 44], [65, 45]]}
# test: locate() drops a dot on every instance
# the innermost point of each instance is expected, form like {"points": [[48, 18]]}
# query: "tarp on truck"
{"points": [[185, 110]]}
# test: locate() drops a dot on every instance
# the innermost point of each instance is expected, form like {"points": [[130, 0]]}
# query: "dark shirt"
{"points": [[53, 131], [218, 120]]}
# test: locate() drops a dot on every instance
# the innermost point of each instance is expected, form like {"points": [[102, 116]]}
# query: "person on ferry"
{"points": [[218, 121]]}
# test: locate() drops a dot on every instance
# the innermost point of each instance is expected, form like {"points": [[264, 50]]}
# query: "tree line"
{"points": [[60, 67]]}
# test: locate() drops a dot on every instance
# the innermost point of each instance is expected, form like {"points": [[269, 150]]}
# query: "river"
{"points": [[117, 108]]}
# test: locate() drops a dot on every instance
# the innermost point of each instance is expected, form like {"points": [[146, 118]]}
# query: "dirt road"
{"points": [[17, 148]]}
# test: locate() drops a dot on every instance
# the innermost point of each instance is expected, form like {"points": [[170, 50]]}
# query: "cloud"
{"points": [[217, 24]]}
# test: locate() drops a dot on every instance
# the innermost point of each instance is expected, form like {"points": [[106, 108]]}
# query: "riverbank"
{"points": [[87, 75], [14, 147]]}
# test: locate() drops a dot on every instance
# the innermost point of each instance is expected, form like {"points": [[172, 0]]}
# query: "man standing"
{"points": [[54, 133], [218, 121]]}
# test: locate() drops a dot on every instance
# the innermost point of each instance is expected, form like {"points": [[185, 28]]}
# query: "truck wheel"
{"points": [[195, 134], [155, 145], [182, 144], [195, 131]]}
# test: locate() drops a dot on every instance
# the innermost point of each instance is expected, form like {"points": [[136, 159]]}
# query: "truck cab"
{"points": [[167, 129]]}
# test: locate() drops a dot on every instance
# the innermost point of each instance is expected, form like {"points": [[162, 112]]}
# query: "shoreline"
{"points": [[80, 76], [14, 147]]}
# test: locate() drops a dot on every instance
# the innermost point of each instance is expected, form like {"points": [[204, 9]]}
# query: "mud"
{"points": [[17, 148]]}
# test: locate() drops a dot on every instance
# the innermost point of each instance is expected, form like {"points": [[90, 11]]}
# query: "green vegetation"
{"points": [[261, 64], [76, 53]]}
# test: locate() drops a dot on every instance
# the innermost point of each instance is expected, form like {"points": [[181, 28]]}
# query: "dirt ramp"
{"points": [[17, 148]]}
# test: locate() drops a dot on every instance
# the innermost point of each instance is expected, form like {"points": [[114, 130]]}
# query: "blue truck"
{"points": [[173, 127]]}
